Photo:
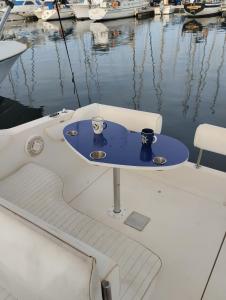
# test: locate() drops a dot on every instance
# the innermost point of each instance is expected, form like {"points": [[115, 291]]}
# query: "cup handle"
{"points": [[105, 125]]}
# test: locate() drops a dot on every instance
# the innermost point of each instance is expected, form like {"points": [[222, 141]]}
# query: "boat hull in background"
{"points": [[81, 11], [111, 13], [166, 10], [200, 9], [7, 57], [51, 14], [5, 67]]}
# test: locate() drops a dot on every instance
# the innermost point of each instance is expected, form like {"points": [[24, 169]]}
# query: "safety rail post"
{"points": [[199, 159], [106, 290]]}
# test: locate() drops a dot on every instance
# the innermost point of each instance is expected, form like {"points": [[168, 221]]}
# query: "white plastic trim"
{"points": [[211, 138], [34, 145]]}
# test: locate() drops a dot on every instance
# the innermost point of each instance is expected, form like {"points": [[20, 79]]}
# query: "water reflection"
{"points": [[199, 30], [13, 113], [170, 65]]}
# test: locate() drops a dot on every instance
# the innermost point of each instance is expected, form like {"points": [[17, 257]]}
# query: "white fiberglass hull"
{"points": [[9, 53], [192, 9], [81, 11], [113, 13], [51, 14], [5, 66], [166, 10], [12, 16], [21, 12]]}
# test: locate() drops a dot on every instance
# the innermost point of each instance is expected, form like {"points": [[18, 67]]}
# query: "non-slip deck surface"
{"points": [[5, 295], [39, 191]]}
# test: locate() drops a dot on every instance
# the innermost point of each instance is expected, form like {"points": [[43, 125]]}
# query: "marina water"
{"points": [[172, 65]]}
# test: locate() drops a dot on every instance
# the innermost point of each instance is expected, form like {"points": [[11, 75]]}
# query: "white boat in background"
{"points": [[22, 9], [9, 53], [202, 8], [164, 9], [81, 9], [117, 9], [48, 11]]}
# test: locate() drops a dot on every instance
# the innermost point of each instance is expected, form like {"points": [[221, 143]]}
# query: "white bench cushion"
{"points": [[30, 266], [138, 265]]}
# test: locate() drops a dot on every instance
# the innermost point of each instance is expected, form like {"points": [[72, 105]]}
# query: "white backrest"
{"points": [[131, 119], [35, 265], [211, 138], [86, 112]]}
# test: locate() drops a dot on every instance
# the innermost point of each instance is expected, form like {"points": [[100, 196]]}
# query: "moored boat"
{"points": [[9, 53], [48, 11], [81, 9], [202, 8], [164, 9], [117, 9], [22, 9]]}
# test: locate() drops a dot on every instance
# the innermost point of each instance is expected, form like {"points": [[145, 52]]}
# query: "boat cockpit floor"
{"points": [[39, 191], [187, 215], [188, 221]]}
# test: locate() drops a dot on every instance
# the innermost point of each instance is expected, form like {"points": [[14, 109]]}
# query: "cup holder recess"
{"points": [[98, 155], [159, 160], [72, 132]]}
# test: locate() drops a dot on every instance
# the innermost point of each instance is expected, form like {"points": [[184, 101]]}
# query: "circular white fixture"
{"points": [[34, 145]]}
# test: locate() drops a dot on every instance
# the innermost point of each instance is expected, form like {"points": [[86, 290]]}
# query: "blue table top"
{"points": [[123, 147]]}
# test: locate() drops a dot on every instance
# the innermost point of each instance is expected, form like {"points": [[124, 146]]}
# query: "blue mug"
{"points": [[147, 136], [146, 153]]}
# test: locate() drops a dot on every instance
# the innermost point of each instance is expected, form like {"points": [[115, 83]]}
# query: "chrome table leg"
{"points": [[116, 182]]}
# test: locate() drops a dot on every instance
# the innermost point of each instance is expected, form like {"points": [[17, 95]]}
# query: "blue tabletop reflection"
{"points": [[124, 147]]}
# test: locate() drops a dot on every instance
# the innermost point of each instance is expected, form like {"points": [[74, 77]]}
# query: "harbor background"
{"points": [[172, 65]]}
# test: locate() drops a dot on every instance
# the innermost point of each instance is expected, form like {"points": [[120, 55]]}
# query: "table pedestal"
{"points": [[116, 184]]}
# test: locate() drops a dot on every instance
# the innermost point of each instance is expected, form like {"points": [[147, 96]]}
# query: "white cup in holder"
{"points": [[98, 125]]}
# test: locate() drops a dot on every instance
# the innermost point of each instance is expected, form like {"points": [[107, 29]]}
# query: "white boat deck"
{"points": [[187, 208]]}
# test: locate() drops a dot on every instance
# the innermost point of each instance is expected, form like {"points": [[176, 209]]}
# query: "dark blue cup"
{"points": [[146, 153], [147, 136]]}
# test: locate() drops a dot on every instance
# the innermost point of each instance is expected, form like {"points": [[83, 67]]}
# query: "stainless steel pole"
{"points": [[5, 16], [106, 290], [199, 159], [116, 183]]}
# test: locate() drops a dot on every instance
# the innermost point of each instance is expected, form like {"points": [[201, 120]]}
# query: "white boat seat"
{"points": [[39, 191], [30, 267], [131, 119]]}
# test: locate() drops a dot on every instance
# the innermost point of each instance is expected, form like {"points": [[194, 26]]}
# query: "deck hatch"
{"points": [[137, 221]]}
